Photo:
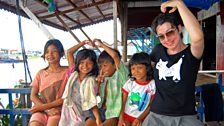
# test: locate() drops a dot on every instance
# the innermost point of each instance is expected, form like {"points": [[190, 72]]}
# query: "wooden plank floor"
{"points": [[213, 123]]}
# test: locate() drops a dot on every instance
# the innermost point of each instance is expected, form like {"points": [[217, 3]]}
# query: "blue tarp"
{"points": [[202, 4]]}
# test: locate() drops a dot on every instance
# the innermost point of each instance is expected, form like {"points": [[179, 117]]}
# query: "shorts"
{"points": [[42, 117], [154, 119], [129, 118], [102, 114]]}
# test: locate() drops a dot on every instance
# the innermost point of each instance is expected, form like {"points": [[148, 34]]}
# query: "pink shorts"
{"points": [[43, 117]]}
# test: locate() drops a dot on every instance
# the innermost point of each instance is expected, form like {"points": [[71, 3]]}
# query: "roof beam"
{"points": [[68, 29], [75, 9], [95, 22], [74, 6], [66, 16], [93, 1], [36, 20], [57, 12], [144, 4]]}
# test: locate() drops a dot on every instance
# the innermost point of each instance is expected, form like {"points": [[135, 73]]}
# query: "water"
{"points": [[10, 76]]}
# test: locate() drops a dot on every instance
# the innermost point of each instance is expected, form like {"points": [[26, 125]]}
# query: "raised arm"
{"points": [[71, 51], [191, 24], [109, 50]]}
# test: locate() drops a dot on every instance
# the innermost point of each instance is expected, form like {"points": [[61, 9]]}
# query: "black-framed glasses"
{"points": [[169, 33]]}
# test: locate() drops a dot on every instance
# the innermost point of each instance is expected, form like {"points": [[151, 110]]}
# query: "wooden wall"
{"points": [[220, 39]]}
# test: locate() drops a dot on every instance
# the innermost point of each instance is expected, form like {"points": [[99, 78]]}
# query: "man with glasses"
{"points": [[175, 67]]}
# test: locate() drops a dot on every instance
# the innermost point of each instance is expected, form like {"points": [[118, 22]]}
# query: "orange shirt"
{"points": [[50, 85]]}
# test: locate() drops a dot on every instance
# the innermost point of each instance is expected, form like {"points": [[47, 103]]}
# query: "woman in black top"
{"points": [[176, 66]]}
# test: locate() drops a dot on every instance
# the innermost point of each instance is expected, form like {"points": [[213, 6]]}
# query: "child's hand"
{"points": [[121, 122], [100, 77], [136, 122], [37, 108], [90, 43], [98, 42], [99, 122], [54, 111]]}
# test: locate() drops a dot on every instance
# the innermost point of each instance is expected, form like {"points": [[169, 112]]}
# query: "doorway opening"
{"points": [[209, 29]]}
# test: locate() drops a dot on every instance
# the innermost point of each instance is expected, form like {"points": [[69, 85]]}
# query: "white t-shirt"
{"points": [[139, 95]]}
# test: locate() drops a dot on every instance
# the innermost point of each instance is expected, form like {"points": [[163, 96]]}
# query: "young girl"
{"points": [[138, 91], [48, 87], [81, 89]]}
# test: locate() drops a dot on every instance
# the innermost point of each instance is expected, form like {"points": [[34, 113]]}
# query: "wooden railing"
{"points": [[24, 94], [198, 89]]}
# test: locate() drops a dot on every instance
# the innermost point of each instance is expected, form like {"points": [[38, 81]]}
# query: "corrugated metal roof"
{"points": [[74, 13], [80, 13]]}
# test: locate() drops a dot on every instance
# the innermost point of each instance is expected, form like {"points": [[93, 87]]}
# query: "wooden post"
{"points": [[220, 39], [124, 30], [115, 23]]}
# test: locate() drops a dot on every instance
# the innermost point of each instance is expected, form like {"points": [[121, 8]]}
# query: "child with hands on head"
{"points": [[112, 77], [81, 89], [138, 91]]}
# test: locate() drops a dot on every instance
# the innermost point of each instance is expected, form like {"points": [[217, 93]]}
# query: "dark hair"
{"points": [[141, 58], [165, 17], [84, 54], [57, 44], [104, 56]]}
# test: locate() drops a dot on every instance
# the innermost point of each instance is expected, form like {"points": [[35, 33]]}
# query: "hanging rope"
{"points": [[26, 66]]}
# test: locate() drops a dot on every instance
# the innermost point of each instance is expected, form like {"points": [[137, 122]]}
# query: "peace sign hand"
{"points": [[100, 78]]}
